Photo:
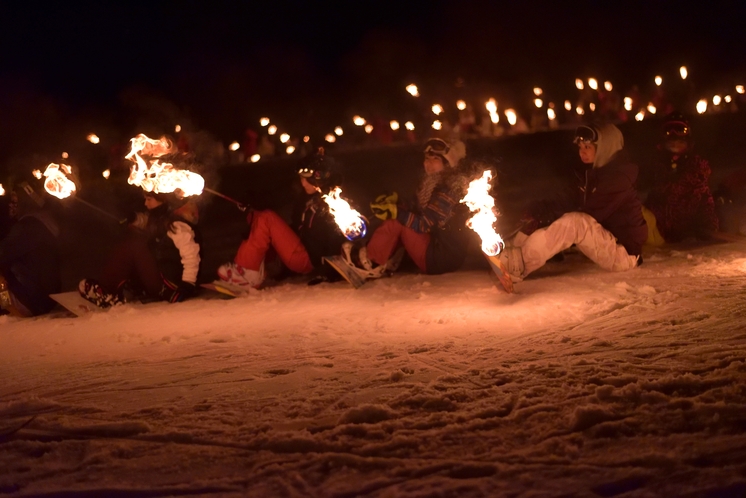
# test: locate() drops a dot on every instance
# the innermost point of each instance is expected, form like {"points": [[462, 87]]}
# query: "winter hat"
{"points": [[452, 152]]}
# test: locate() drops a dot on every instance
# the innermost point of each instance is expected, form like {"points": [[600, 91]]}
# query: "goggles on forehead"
{"points": [[676, 129], [306, 172], [436, 146], [585, 134]]}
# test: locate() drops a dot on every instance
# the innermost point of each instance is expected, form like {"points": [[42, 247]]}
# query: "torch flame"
{"points": [[37, 174], [409, 125], [460, 105], [683, 72], [57, 183], [2, 190], [482, 204], [412, 89], [702, 106], [106, 173], [154, 176], [93, 138], [348, 220]]}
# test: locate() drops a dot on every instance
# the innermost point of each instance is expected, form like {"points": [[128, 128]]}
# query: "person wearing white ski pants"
{"points": [[578, 228]]}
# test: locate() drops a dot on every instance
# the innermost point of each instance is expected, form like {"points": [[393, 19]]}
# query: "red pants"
{"points": [[268, 230], [387, 237]]}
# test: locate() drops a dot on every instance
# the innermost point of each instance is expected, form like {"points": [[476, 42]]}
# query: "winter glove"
{"points": [[384, 207], [176, 293]]}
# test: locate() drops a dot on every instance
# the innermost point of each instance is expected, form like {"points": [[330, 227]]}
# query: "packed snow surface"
{"points": [[583, 383]]}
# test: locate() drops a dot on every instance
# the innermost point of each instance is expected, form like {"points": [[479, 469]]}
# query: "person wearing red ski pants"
{"points": [[387, 238], [269, 231]]}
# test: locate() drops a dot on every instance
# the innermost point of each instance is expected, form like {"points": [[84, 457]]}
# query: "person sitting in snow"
{"points": [[29, 256], [159, 260], [608, 226], [432, 230], [680, 202], [300, 251]]}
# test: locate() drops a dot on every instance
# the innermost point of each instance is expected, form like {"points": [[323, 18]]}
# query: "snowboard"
{"points": [[225, 289], [75, 303], [340, 265], [501, 272]]}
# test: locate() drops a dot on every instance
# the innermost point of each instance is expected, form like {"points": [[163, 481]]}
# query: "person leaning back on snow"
{"points": [[608, 228], [300, 251], [680, 202], [159, 260], [29, 256], [432, 229]]}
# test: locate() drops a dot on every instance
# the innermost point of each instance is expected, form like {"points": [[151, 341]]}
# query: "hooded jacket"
{"points": [[610, 194]]}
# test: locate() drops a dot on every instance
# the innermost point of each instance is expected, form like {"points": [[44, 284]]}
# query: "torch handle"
{"points": [[239, 205]]}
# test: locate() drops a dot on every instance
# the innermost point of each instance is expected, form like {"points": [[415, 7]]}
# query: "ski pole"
{"points": [[239, 205]]}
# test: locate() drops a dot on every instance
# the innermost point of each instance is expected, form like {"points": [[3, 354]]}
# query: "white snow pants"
{"points": [[580, 229]]}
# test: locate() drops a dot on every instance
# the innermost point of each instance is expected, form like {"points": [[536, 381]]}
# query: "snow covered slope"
{"points": [[584, 383]]}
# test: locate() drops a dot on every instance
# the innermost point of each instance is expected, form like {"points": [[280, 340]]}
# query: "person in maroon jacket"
{"points": [[680, 198], [608, 226]]}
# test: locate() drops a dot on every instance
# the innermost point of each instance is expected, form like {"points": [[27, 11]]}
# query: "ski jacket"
{"points": [[681, 199], [29, 260], [444, 218], [610, 194], [174, 241], [317, 230]]}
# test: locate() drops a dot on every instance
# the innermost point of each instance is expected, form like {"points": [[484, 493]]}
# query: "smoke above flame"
{"points": [[57, 182], [152, 175], [350, 222], [482, 204]]}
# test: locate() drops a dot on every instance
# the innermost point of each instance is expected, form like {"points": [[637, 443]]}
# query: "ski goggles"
{"points": [[437, 146], [676, 129], [585, 134]]}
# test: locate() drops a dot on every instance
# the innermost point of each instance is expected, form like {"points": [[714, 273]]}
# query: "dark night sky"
{"points": [[227, 61]]}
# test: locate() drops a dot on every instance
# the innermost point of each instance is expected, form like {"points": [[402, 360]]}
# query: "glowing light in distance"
{"points": [[93, 138], [394, 124], [538, 91], [702, 106], [628, 103], [494, 117], [658, 81], [437, 125], [284, 137], [338, 131], [177, 128], [593, 83], [716, 100], [579, 84], [551, 114], [460, 105], [234, 146], [511, 116], [592, 106], [651, 108], [437, 109], [368, 128], [37, 174], [727, 99], [568, 105], [106, 173], [264, 121], [608, 86], [306, 139], [579, 110], [290, 149], [683, 72], [358, 120], [491, 105], [740, 89], [2, 190], [65, 155], [640, 116], [409, 125], [538, 102], [330, 138], [413, 91], [255, 158], [272, 130]]}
